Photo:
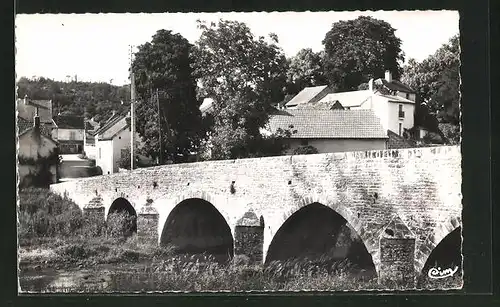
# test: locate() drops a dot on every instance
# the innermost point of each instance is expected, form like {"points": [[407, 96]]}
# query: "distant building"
{"points": [[308, 95], [89, 148], [69, 133], [330, 130], [27, 109], [38, 155], [112, 143], [392, 102]]}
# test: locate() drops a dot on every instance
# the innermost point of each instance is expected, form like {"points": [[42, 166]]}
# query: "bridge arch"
{"points": [[122, 205], [317, 225], [449, 233], [195, 226]]}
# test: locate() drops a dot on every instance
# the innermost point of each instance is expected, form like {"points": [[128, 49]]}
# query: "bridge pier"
{"points": [[397, 256], [94, 214], [147, 223], [249, 238]]}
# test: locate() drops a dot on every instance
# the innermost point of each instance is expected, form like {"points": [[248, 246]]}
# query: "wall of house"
{"points": [[31, 145], [411, 96], [381, 108], [393, 119], [120, 141], [65, 134], [339, 145], [104, 156]]}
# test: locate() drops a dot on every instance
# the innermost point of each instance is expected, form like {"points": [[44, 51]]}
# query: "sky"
{"points": [[95, 47]]}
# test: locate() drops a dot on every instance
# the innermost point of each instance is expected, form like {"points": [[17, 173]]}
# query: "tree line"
{"points": [[246, 76]]}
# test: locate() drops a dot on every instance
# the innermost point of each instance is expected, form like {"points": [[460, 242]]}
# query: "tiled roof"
{"points": [[305, 95], [348, 99], [113, 127], [28, 110], [25, 125], [325, 105], [395, 85], [69, 122], [331, 124]]}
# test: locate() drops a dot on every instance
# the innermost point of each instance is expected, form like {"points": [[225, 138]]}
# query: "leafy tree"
{"points": [[360, 49], [77, 98], [305, 150], [305, 69], [243, 76], [165, 64], [437, 81]]}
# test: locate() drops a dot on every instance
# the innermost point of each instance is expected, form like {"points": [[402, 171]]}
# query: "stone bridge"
{"points": [[400, 203]]}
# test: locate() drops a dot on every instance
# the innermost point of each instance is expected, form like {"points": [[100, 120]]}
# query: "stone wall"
{"points": [[421, 186]]}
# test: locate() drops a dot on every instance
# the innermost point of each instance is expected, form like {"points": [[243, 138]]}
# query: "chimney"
{"points": [[370, 85], [388, 76], [36, 120]]}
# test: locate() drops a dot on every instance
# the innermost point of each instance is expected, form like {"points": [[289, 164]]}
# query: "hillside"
{"points": [[96, 100]]}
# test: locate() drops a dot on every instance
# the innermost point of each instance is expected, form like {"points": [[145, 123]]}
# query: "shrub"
{"points": [[305, 150], [121, 224], [45, 214]]}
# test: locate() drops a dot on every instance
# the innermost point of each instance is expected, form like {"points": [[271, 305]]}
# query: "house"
{"points": [[27, 109], [308, 95], [392, 101], [330, 130], [69, 133], [38, 155], [112, 143]]}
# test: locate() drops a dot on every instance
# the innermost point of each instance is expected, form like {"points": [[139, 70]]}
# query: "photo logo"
{"points": [[437, 273]]}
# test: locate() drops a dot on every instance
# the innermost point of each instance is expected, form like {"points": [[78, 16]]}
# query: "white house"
{"points": [[330, 130], [110, 140], [392, 101]]}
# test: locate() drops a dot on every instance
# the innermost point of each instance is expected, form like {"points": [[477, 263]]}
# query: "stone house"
{"points": [[69, 133], [38, 156]]}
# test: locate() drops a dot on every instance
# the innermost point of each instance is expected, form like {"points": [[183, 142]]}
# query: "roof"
{"points": [[28, 110], [113, 127], [348, 99], [329, 124], [305, 95], [69, 122], [325, 105], [25, 125], [395, 85], [394, 98]]}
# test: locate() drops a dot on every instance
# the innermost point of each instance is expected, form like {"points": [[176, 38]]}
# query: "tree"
{"points": [[437, 81], [360, 49], [164, 64], [243, 76], [305, 69]]}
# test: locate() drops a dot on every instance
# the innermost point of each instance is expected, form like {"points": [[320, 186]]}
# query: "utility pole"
{"points": [[160, 158], [132, 113]]}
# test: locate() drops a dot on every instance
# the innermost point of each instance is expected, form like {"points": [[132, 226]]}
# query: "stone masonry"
{"points": [[415, 191]]}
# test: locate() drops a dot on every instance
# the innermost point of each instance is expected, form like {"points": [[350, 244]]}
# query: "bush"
{"points": [[121, 224], [45, 214], [305, 150]]}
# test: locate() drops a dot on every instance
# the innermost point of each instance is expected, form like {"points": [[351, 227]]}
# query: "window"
{"points": [[407, 96], [72, 135], [99, 152], [401, 113], [400, 128]]}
